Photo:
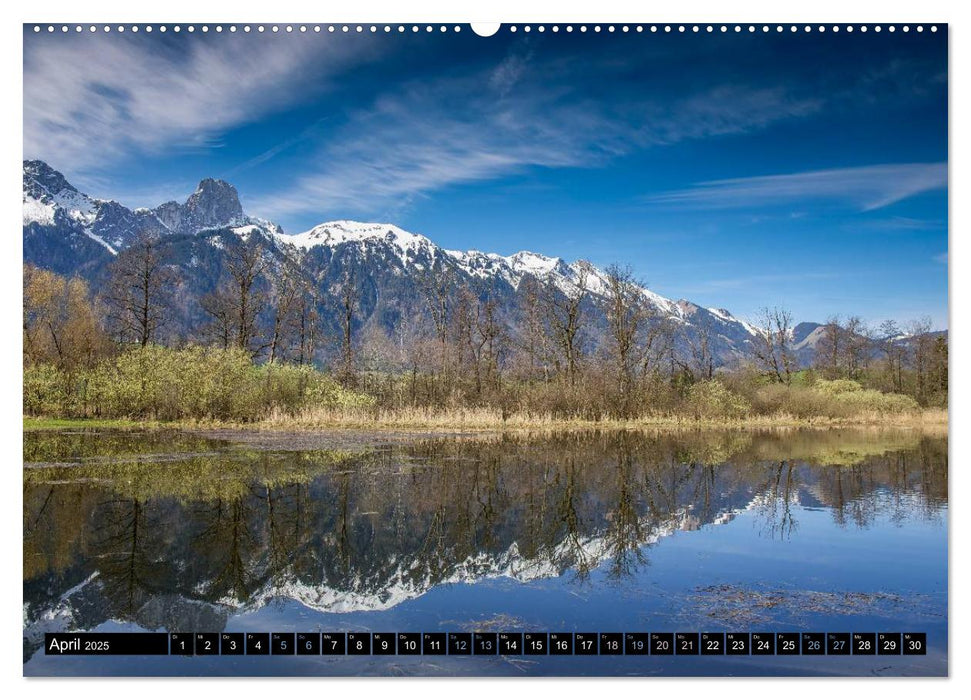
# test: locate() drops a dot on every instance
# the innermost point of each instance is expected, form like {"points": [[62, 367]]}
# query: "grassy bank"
{"points": [[492, 419], [484, 419], [205, 387], [34, 423]]}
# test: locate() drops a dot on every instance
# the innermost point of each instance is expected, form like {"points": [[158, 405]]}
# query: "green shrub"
{"points": [[839, 398], [851, 397], [712, 399], [194, 382], [324, 391], [45, 390], [836, 387]]}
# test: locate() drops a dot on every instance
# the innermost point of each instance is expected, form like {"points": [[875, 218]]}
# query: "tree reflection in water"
{"points": [[363, 530]]}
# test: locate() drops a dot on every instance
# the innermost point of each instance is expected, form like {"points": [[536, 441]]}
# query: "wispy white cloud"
{"points": [[720, 110], [509, 72], [864, 188], [498, 121], [90, 101], [411, 145]]}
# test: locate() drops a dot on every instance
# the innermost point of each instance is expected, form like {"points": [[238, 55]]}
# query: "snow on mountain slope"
{"points": [[46, 191], [84, 604], [37, 212], [78, 206], [513, 268], [726, 316], [49, 201], [532, 263], [402, 584], [333, 233], [69, 231], [54, 208]]}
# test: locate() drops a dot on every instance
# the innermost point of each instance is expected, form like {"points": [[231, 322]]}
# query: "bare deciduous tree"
{"points": [[139, 291], [237, 302], [437, 287], [893, 351], [303, 325], [533, 336], [564, 312], [478, 334], [831, 348], [938, 366], [922, 345], [492, 333], [347, 294], [219, 330], [627, 313], [772, 345], [699, 345], [285, 294], [859, 346]]}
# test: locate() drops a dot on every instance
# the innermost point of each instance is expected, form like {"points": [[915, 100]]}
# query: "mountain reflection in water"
{"points": [[171, 531]]}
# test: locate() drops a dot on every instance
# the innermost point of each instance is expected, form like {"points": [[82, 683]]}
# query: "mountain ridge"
{"points": [[71, 232]]}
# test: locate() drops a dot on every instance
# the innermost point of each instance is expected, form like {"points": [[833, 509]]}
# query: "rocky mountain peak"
{"points": [[73, 233], [214, 203], [41, 179]]}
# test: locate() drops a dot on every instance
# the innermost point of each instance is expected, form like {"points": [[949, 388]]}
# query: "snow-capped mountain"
{"points": [[418, 253], [416, 250], [70, 232], [73, 233], [333, 233], [53, 206]]}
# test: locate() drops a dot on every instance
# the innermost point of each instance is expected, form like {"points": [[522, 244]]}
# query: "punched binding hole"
{"points": [[485, 29]]}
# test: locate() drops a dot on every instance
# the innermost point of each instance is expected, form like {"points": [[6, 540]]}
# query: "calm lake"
{"points": [[781, 531]]}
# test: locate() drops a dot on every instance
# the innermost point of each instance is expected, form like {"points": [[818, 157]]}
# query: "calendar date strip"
{"points": [[485, 643]]}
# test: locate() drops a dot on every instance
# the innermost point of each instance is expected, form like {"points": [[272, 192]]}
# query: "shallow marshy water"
{"points": [[799, 530]]}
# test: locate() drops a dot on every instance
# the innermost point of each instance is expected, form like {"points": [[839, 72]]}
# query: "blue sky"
{"points": [[806, 170]]}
